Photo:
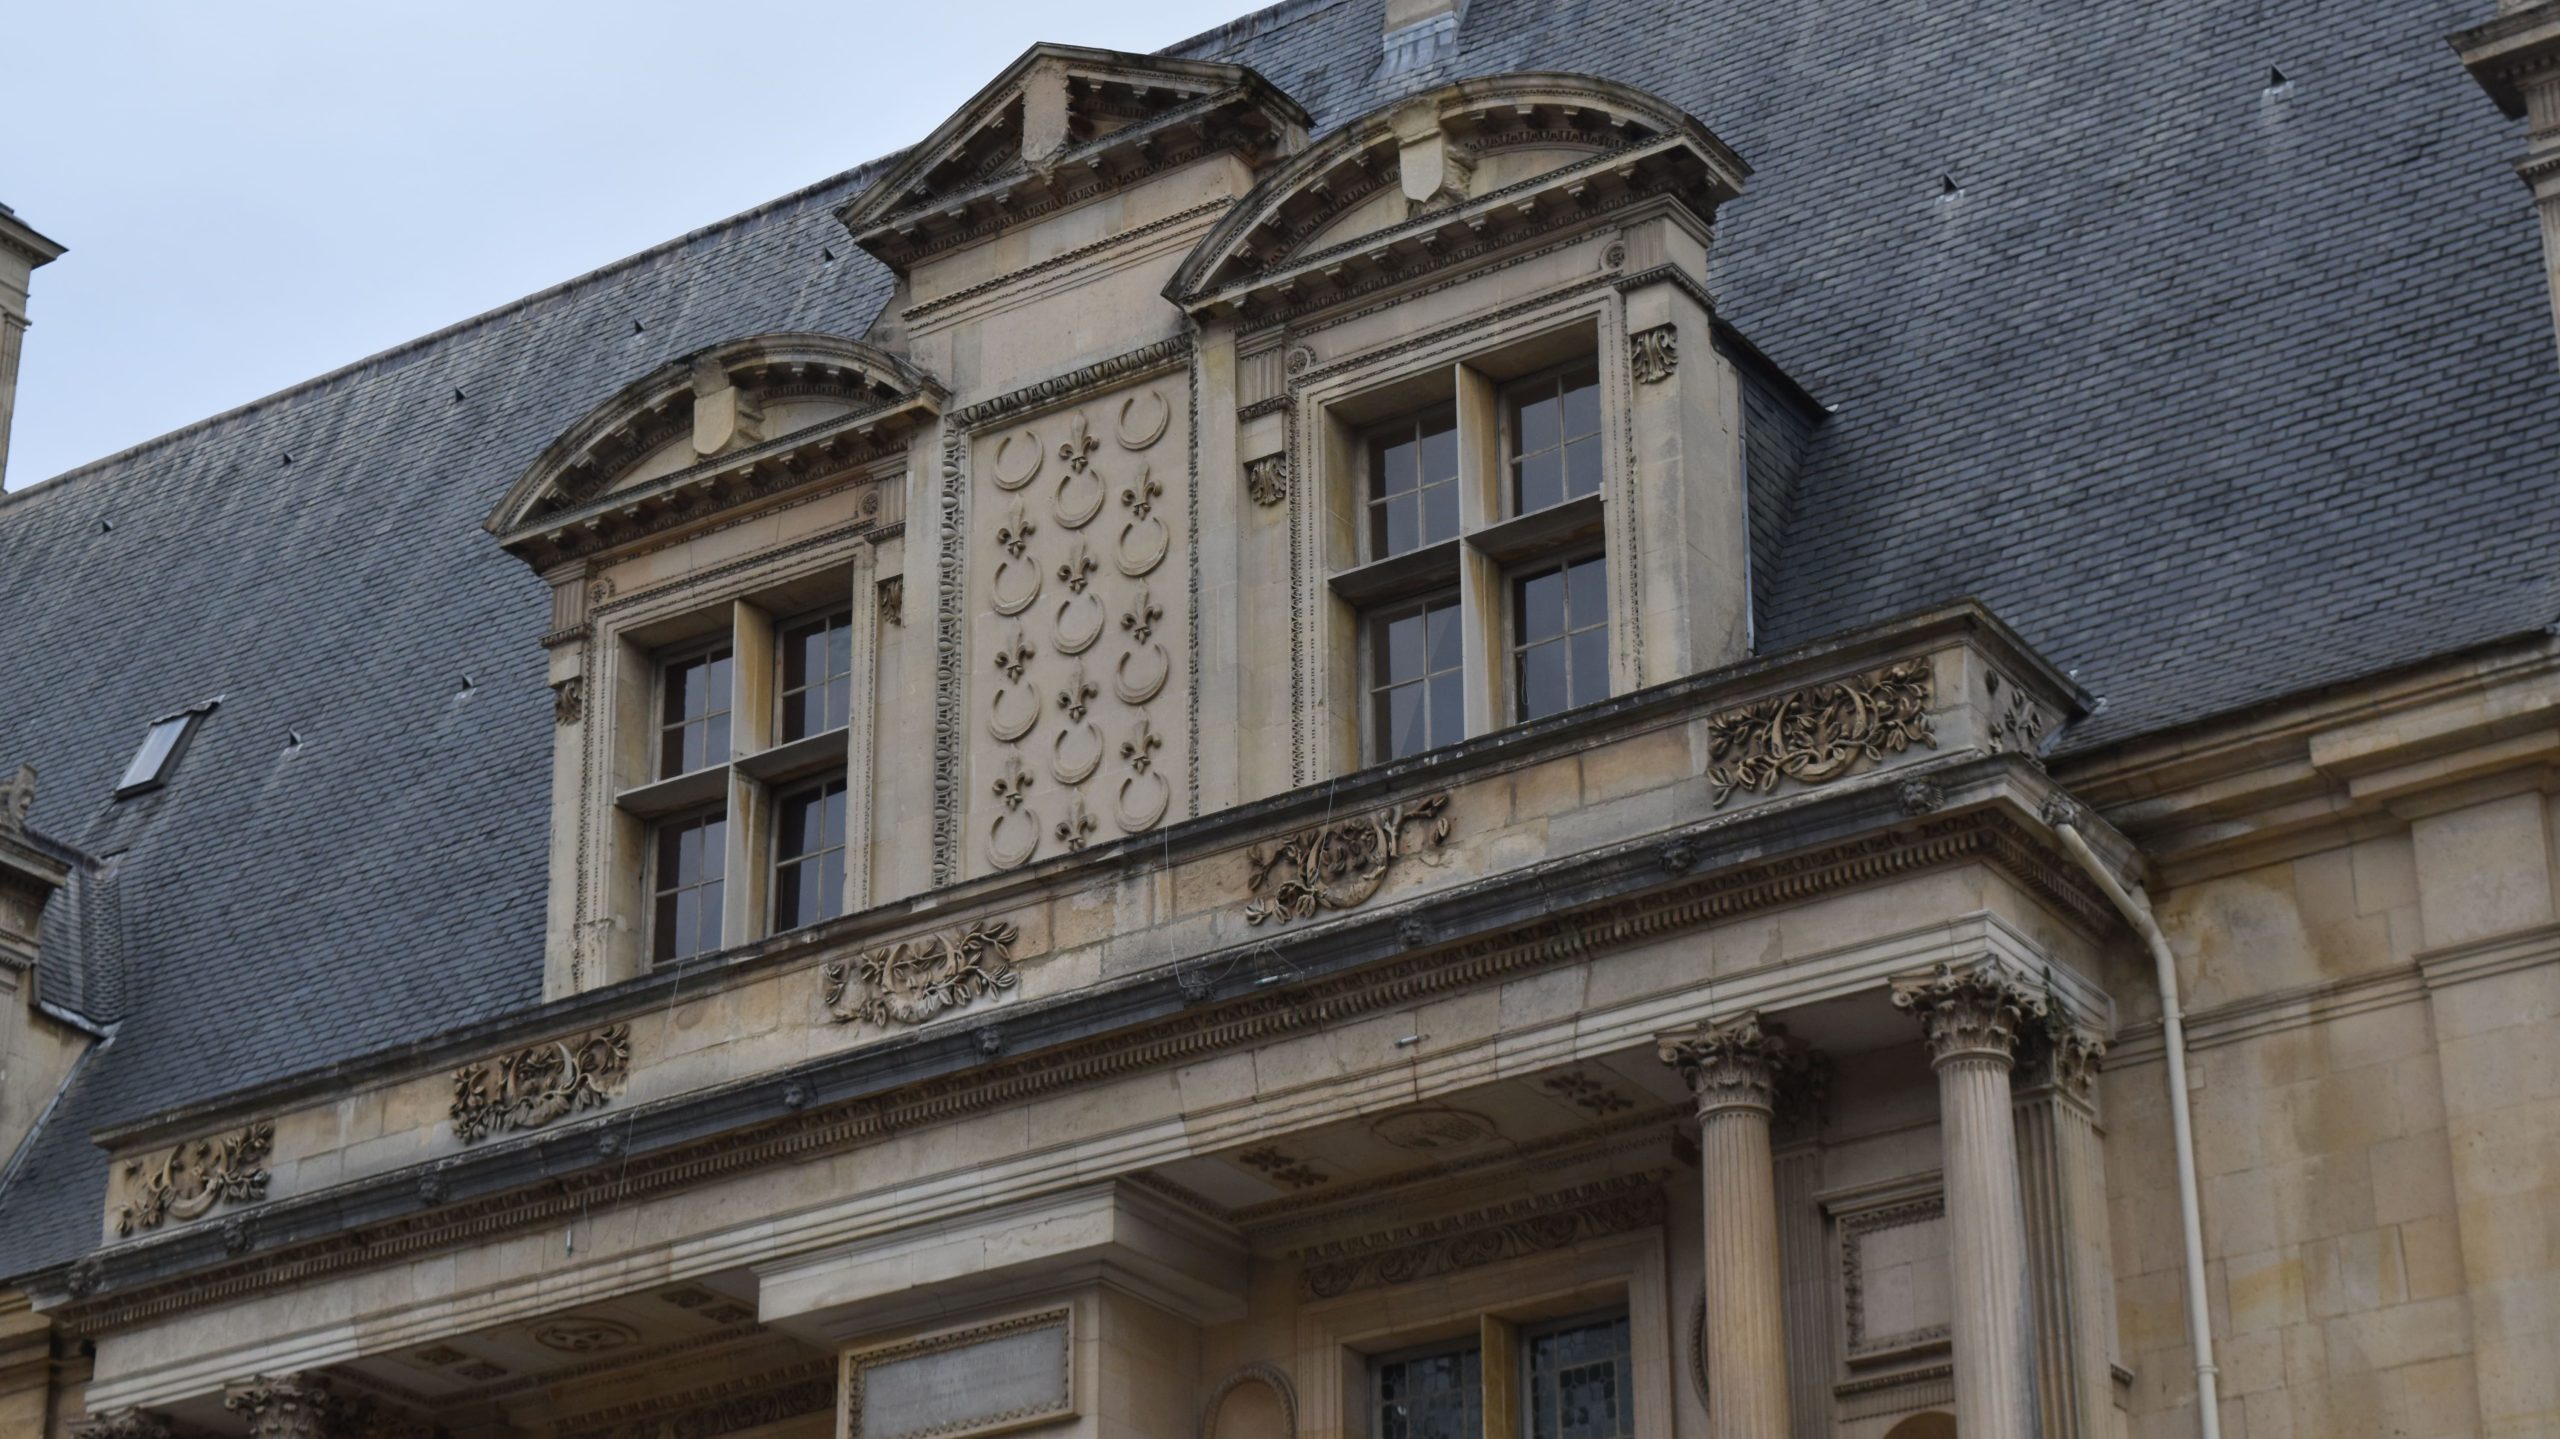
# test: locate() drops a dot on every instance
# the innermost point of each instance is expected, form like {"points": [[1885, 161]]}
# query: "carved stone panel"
{"points": [[1079, 598], [1895, 1297], [981, 1380]]}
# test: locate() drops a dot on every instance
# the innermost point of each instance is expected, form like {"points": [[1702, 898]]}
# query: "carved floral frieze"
{"points": [[195, 1175], [916, 979], [1821, 732], [1339, 865], [538, 1084]]}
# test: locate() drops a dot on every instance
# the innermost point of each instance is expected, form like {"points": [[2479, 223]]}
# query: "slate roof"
{"points": [[2215, 392]]}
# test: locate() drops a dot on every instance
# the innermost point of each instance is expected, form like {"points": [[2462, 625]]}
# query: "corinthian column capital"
{"points": [[1740, 1063], [123, 1424], [1968, 1011], [283, 1406]]}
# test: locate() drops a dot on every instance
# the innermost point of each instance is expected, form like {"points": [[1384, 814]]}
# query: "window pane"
{"points": [[1448, 709], [1442, 622], [1542, 687], [830, 887], [1404, 647], [663, 930], [674, 690], [799, 719], [1439, 448], [838, 705], [840, 644], [688, 914], [716, 686], [1580, 1382], [1582, 402], [1399, 526], [1437, 1396], [1405, 732], [1541, 603], [671, 753], [788, 910], [1590, 664], [715, 740], [803, 655], [1538, 417], [1439, 512], [1582, 467], [1541, 481], [1392, 466], [715, 847], [707, 938], [832, 831]]}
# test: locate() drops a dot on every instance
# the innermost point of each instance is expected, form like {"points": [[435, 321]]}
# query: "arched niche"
{"points": [[1933, 1425], [1254, 1402]]}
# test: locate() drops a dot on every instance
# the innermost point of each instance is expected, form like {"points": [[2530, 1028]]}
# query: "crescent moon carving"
{"points": [[1076, 767], [1134, 818], [1074, 513], [1013, 604], [1007, 852], [1141, 690], [996, 469], [1147, 557], [1068, 640], [1146, 434], [1006, 729]]}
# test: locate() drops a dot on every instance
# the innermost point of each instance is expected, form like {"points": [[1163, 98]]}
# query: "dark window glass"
{"points": [[1552, 430], [1580, 1384], [685, 886], [1431, 1396], [817, 675], [808, 855], [1417, 677], [693, 713], [1560, 644], [1413, 483]]}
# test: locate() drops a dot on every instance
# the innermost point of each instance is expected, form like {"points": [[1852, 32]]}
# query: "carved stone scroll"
{"points": [[1654, 353], [534, 1086], [1820, 733], [916, 979], [195, 1175], [1341, 864]]}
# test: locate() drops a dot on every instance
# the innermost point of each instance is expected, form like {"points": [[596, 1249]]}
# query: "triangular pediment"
{"points": [[1446, 177], [1062, 125], [723, 429]]}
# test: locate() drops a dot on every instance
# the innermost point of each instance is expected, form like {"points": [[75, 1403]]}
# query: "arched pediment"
{"points": [[1446, 176], [728, 426]]}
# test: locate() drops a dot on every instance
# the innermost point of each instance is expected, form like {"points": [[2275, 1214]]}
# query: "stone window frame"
{"points": [[1471, 361], [617, 813], [1336, 1338]]}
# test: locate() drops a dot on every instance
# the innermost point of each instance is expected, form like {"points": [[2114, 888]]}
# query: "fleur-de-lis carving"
{"points": [[1141, 619], [1078, 696], [1078, 570], [1139, 749], [1077, 827], [1013, 784], [1013, 654], [1016, 531], [1141, 497], [1079, 447]]}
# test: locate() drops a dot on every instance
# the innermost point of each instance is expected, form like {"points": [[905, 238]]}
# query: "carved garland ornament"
{"points": [[915, 979], [1820, 733], [195, 1175], [536, 1085], [1340, 865]]}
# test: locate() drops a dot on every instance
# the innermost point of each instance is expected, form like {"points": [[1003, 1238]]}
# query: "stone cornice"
{"points": [[1517, 747], [1847, 836], [2504, 54]]}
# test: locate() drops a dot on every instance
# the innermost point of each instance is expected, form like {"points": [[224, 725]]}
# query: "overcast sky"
{"points": [[254, 193]]}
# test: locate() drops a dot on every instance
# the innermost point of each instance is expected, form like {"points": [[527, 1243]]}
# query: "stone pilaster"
{"points": [[1971, 1016], [2062, 1179], [2516, 58], [1736, 1069]]}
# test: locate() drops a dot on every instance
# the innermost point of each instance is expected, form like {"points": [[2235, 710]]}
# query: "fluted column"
{"points": [[2062, 1178], [1735, 1069], [1971, 1016]]}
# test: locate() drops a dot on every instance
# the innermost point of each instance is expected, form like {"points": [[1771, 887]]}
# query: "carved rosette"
{"points": [[1340, 865], [1819, 733], [532, 1087], [1972, 1011], [1654, 353], [916, 979], [1741, 1063], [194, 1176]]}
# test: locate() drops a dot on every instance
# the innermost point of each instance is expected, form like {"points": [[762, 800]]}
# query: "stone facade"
{"points": [[1793, 1041]]}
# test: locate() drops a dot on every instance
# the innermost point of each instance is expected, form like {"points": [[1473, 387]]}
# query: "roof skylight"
{"points": [[162, 745]]}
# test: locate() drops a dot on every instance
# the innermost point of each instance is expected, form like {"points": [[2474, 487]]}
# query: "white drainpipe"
{"points": [[2136, 908]]}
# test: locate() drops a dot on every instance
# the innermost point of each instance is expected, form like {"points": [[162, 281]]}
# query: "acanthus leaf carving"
{"points": [[195, 1175], [1266, 480], [1654, 353], [1340, 864], [914, 980], [1821, 732], [538, 1084]]}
